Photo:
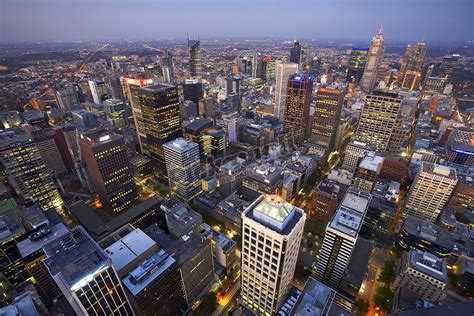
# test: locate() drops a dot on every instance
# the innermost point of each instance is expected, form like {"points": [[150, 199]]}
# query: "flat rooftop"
{"points": [[129, 248], [444, 171], [350, 213], [99, 137], [74, 256], [428, 231], [429, 264], [180, 145], [30, 244], [315, 300], [139, 278], [372, 163]]}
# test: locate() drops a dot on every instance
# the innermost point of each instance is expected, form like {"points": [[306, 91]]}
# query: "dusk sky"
{"points": [[51, 20]]}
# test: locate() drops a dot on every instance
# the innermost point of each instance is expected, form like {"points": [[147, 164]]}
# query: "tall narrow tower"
{"points": [[374, 59], [283, 72], [298, 100], [195, 66], [271, 234]]}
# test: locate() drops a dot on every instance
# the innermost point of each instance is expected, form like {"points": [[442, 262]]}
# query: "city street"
{"points": [[226, 302]]}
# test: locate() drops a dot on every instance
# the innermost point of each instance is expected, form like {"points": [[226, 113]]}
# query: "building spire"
{"points": [[380, 29]]}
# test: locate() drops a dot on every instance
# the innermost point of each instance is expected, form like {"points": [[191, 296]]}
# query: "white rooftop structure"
{"points": [[372, 162], [30, 245], [180, 145], [128, 248], [351, 212], [274, 211]]}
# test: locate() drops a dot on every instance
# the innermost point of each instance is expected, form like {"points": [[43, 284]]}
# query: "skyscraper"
{"points": [[161, 118], [195, 62], [105, 156], [271, 236], [295, 53], [67, 98], [412, 64], [378, 119], [298, 100], [357, 63], [374, 58], [430, 191], [26, 169], [132, 85], [340, 237], [115, 112], [283, 72], [327, 114], [184, 168], [98, 90], [167, 67], [85, 275]]}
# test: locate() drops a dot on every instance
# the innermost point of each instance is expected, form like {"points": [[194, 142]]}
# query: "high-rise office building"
{"points": [[268, 68], [167, 67], [67, 98], [298, 100], [85, 120], [192, 89], [357, 62], [327, 115], [131, 89], [98, 90], [378, 119], [115, 112], [149, 274], [47, 144], [114, 88], [271, 236], [413, 58], [374, 58], [195, 62], [295, 53], [105, 156], [86, 276], [232, 85], [160, 117], [430, 191], [341, 236], [184, 167], [283, 72], [26, 169]]}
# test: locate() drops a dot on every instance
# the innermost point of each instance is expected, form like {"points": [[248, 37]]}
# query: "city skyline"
{"points": [[31, 21]]}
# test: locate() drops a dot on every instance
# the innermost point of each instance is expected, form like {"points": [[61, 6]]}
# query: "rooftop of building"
{"points": [[187, 246], [74, 256], [156, 87], [99, 137], [198, 125], [140, 277], [275, 213], [350, 213], [129, 248], [372, 162], [265, 173], [428, 231], [10, 226], [315, 299], [22, 305], [180, 218], [440, 170], [329, 187], [429, 264], [180, 145], [41, 237], [463, 308], [98, 225]]}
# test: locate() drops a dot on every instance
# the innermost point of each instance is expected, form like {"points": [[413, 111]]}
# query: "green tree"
{"points": [[362, 306], [387, 276], [208, 305], [383, 298]]}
